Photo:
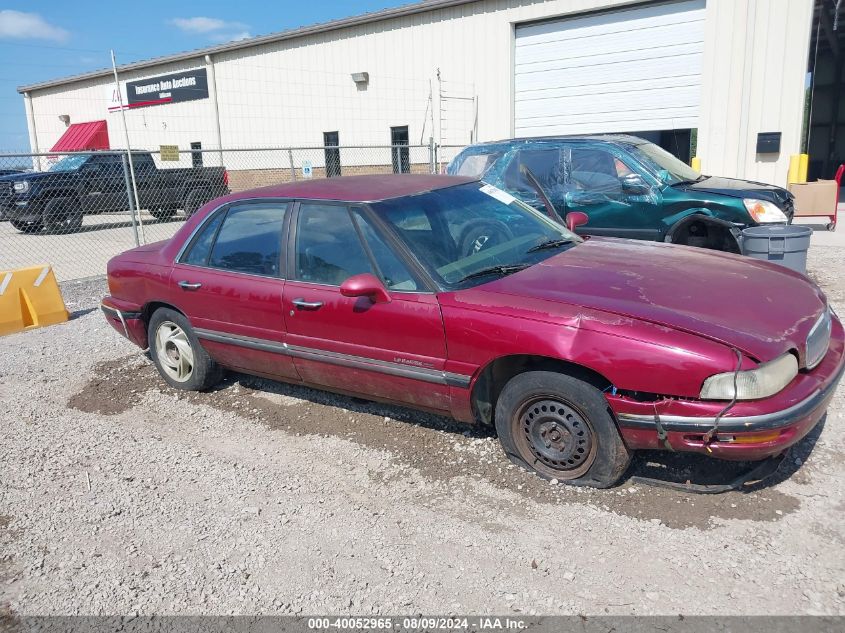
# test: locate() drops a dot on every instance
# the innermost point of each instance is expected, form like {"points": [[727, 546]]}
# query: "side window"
{"points": [[250, 240], [198, 251], [395, 274], [327, 249], [596, 170], [477, 165], [545, 164]]}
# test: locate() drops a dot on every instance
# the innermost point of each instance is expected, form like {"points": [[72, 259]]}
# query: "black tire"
{"points": [[27, 227], [480, 234], [205, 372], [63, 215], [561, 428], [195, 199], [162, 214]]}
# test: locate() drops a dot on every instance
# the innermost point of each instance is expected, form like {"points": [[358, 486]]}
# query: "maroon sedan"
{"points": [[446, 294]]}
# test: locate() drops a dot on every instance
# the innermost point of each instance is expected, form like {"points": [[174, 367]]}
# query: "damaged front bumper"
{"points": [[751, 430]]}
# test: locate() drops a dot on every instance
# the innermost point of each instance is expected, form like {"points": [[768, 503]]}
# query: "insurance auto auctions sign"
{"points": [[188, 85]]}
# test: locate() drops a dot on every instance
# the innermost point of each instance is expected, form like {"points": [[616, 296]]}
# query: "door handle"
{"points": [[302, 304], [187, 285]]}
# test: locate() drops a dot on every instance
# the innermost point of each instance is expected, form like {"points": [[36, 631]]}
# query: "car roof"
{"points": [[370, 188], [607, 138]]}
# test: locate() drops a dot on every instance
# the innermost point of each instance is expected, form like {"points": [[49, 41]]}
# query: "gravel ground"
{"points": [[119, 495]]}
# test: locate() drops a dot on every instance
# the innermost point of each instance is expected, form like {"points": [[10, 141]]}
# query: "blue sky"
{"points": [[50, 39]]}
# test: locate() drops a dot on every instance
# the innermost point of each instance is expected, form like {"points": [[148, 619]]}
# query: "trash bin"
{"points": [[782, 244]]}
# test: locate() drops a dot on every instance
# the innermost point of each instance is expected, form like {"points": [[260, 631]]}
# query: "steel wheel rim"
{"points": [[554, 437], [173, 349]]}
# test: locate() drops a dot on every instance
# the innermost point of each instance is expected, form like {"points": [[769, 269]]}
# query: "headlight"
{"points": [[21, 186], [761, 382], [763, 211]]}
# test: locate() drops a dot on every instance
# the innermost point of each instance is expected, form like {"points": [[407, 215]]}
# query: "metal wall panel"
{"points": [[632, 70]]}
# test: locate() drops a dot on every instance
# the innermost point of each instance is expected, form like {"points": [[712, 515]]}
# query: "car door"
{"points": [[619, 201], [547, 165], [394, 351], [229, 282], [103, 186]]}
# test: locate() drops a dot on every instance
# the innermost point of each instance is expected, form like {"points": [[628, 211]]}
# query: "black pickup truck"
{"points": [[81, 184]]}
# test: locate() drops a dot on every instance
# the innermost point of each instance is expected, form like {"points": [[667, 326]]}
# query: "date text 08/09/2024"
{"points": [[490, 623]]}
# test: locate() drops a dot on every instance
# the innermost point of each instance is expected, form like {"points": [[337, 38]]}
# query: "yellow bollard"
{"points": [[30, 298], [794, 165], [695, 163], [803, 165]]}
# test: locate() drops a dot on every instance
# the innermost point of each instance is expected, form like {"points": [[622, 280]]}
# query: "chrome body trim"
{"points": [[390, 368]]}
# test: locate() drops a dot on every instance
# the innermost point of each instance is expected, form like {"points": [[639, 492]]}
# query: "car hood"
{"points": [[31, 176], [759, 308], [741, 189]]}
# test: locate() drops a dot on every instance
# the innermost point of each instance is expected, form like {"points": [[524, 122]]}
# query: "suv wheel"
{"points": [[561, 428], [195, 199], [27, 227], [63, 215]]}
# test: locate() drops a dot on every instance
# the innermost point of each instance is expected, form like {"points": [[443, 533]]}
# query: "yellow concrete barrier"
{"points": [[794, 169], [30, 298], [803, 166], [695, 163]]}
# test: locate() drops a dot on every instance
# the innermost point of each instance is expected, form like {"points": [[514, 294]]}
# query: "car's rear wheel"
{"points": [[177, 353], [561, 428]]}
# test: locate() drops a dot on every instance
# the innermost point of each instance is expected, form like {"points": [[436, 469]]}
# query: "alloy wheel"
{"points": [[173, 349]]}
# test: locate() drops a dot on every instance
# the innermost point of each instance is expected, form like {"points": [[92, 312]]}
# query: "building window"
{"points": [[401, 155], [196, 154], [331, 143]]}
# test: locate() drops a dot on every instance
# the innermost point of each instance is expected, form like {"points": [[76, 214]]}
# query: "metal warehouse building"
{"points": [[714, 73]]}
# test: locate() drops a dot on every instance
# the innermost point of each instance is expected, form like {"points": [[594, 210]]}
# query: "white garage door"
{"points": [[626, 71]]}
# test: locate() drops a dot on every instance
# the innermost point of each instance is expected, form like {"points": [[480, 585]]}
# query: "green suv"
{"points": [[629, 187]]}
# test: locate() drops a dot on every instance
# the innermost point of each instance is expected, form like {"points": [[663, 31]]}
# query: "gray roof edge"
{"points": [[322, 27]]}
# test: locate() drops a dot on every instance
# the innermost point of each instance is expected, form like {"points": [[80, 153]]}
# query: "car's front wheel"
{"points": [[177, 353], [561, 428]]}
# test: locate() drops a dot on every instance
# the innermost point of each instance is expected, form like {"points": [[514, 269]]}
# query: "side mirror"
{"points": [[365, 285], [634, 183], [574, 219]]}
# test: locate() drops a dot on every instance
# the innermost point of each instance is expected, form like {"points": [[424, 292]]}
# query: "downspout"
{"points": [[33, 132], [212, 80]]}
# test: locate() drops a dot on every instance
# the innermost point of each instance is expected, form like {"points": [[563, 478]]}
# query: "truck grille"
{"points": [[6, 190], [818, 340]]}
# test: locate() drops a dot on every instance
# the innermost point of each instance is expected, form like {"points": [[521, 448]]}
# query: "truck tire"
{"points": [[62, 215], [27, 227], [561, 428], [195, 199], [163, 214]]}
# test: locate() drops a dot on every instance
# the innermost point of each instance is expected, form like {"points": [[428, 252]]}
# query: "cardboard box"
{"points": [[814, 198]]}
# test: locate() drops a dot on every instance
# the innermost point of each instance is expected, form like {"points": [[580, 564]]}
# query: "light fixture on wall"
{"points": [[65, 118], [361, 79]]}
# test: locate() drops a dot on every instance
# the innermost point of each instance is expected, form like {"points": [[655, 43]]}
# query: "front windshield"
{"points": [[69, 163], [671, 169], [474, 233]]}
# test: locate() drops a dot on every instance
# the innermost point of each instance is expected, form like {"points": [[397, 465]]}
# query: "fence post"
{"points": [[292, 168], [431, 157], [129, 197]]}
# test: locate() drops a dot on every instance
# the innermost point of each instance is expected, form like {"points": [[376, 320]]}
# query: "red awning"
{"points": [[82, 136]]}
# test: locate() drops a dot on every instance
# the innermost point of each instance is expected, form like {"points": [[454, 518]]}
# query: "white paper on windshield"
{"points": [[494, 192]]}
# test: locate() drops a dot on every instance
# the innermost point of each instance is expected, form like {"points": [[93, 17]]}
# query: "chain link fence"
{"points": [[77, 210]]}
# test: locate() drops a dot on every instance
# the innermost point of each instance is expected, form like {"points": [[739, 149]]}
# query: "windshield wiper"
{"points": [[690, 182], [549, 244], [495, 270]]}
